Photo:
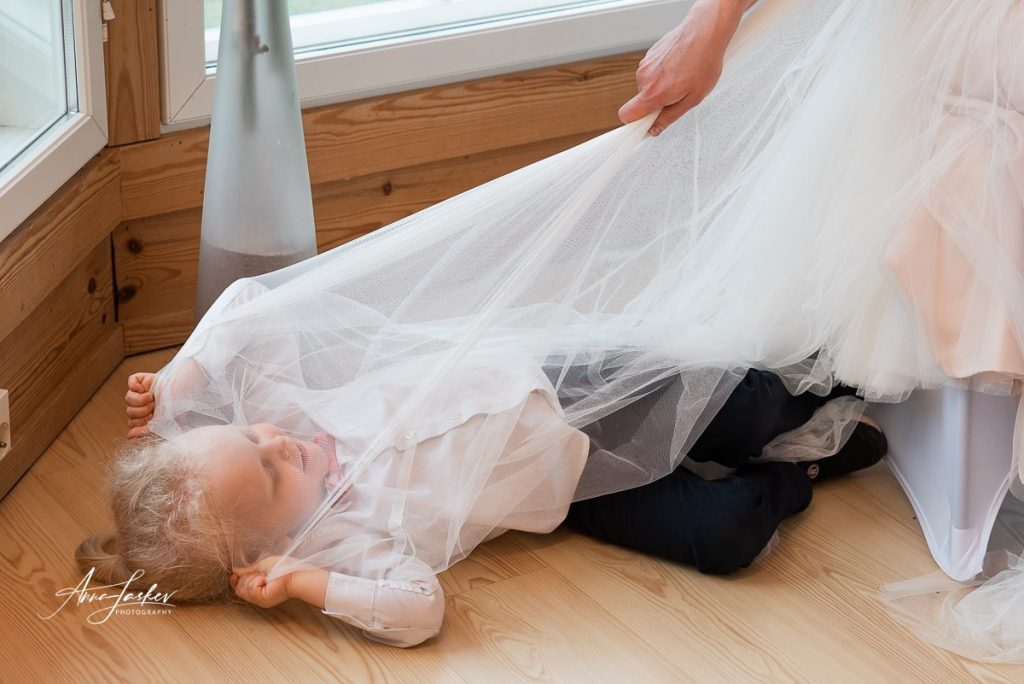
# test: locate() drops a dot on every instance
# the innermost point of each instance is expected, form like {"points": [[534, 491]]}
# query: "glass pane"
{"points": [[212, 8], [35, 46], [320, 24]]}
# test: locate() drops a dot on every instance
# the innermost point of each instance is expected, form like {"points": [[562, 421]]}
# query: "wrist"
{"points": [[308, 585], [727, 12]]}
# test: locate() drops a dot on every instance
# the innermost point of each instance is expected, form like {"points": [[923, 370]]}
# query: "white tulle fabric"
{"points": [[845, 206]]}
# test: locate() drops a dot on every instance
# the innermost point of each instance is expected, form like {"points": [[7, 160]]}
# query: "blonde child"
{"points": [[204, 514]]}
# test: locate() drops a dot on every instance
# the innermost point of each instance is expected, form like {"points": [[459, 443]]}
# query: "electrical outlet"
{"points": [[5, 424]]}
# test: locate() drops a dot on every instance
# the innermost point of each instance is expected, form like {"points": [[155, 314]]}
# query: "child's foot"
{"points": [[866, 447]]}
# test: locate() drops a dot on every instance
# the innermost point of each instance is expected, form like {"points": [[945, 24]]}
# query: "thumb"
{"points": [[248, 569], [637, 108]]}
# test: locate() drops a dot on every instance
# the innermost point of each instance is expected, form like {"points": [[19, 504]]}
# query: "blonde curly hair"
{"points": [[168, 525]]}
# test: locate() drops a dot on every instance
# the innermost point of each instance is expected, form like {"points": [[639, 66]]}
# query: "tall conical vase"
{"points": [[258, 208]]}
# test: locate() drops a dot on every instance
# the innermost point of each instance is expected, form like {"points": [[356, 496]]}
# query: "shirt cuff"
{"points": [[351, 597], [392, 612]]}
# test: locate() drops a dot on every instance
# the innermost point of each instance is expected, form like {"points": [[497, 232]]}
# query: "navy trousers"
{"points": [[717, 526]]}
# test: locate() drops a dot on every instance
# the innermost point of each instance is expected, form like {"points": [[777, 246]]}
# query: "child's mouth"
{"points": [[325, 442], [302, 455]]}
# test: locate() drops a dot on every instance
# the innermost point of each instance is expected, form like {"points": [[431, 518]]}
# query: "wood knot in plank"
{"points": [[126, 294]]}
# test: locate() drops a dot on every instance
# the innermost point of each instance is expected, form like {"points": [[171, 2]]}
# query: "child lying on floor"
{"points": [[187, 510]]}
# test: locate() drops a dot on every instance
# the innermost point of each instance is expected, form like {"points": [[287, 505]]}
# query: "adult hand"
{"points": [[685, 64], [139, 403]]}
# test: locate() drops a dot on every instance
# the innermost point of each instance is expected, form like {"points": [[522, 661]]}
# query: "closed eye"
{"points": [[273, 473], [250, 435]]}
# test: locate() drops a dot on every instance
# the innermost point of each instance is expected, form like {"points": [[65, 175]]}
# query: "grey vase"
{"points": [[258, 208]]}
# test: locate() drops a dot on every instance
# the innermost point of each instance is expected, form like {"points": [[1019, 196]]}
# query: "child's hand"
{"points": [[140, 403], [250, 583]]}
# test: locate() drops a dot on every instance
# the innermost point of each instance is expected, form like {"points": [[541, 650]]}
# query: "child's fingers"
{"points": [[140, 383], [262, 566], [135, 401], [251, 587], [138, 398], [144, 414], [250, 571], [139, 411]]}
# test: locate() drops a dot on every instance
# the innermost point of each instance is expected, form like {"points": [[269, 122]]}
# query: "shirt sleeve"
{"points": [[396, 612]]}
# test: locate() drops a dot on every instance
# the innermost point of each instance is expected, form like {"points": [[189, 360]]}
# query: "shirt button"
{"points": [[409, 434], [454, 417]]}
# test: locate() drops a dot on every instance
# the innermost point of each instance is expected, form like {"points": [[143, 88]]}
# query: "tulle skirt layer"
{"points": [[846, 206]]}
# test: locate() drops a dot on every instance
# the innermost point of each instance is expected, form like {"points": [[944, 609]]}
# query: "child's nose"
{"points": [[266, 429], [281, 447]]}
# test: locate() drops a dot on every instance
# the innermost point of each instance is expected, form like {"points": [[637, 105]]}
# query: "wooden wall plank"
{"points": [[405, 129], [63, 351], [157, 257], [133, 72], [44, 249]]}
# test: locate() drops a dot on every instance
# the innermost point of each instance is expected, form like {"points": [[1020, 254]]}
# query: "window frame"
{"points": [[392, 65], [71, 142]]}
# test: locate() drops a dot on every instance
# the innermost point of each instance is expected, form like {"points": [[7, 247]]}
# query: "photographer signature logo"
{"points": [[125, 602]]}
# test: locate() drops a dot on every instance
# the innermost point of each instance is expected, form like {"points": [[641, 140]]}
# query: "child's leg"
{"points": [[716, 525], [758, 410]]}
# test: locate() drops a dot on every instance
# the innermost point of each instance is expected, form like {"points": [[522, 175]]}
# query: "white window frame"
{"points": [[391, 65], [66, 147]]}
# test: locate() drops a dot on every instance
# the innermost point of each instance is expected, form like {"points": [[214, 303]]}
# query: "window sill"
{"points": [[46, 165]]}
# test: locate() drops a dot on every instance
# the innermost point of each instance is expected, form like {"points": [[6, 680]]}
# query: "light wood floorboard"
{"points": [[559, 607]]}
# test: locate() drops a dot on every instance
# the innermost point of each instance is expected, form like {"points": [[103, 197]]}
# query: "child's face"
{"points": [[271, 481]]}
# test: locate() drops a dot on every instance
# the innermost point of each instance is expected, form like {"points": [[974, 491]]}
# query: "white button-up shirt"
{"points": [[488, 452]]}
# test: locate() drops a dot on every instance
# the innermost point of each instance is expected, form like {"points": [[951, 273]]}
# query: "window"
{"points": [[346, 49], [33, 64], [52, 107]]}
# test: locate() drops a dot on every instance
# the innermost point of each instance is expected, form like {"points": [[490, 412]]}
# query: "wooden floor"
{"points": [[555, 608]]}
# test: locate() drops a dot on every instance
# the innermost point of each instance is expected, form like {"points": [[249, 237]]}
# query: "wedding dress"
{"points": [[846, 206]]}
